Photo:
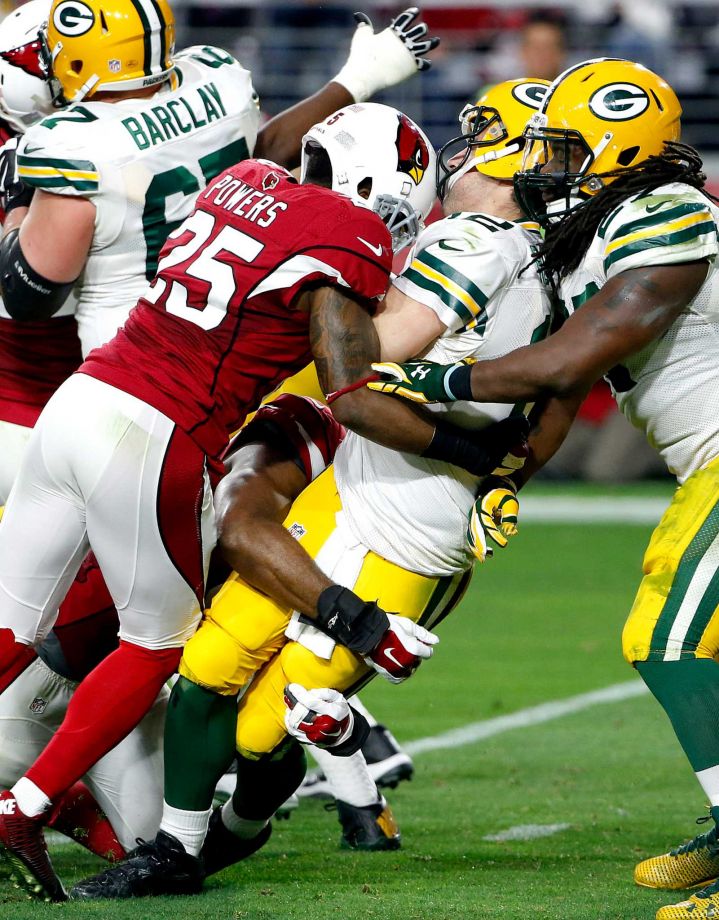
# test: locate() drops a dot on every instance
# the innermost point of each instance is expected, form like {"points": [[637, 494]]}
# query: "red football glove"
{"points": [[401, 649], [322, 717]]}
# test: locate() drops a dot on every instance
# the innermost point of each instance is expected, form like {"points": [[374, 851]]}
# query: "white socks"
{"points": [[31, 800], [190, 827], [241, 827], [348, 777]]}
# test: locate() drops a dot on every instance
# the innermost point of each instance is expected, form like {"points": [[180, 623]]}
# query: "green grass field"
{"points": [[541, 622]]}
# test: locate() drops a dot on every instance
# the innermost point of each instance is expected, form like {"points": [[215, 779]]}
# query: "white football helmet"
{"points": [[24, 92], [380, 159]]}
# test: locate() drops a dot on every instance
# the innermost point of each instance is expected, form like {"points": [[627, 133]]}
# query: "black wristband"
{"points": [[18, 195], [354, 741], [453, 446], [359, 625], [458, 384]]}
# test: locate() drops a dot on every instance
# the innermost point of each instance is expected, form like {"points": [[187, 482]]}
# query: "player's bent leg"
{"points": [[242, 825], [672, 637], [128, 781]]}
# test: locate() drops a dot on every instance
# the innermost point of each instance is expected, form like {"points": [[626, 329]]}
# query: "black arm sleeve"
{"points": [[26, 294]]}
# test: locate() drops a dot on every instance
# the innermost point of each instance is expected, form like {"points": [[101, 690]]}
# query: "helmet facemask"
{"points": [[46, 59], [482, 126], [555, 177]]}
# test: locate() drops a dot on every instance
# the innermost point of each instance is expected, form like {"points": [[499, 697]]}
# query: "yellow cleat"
{"points": [[688, 866], [704, 905]]}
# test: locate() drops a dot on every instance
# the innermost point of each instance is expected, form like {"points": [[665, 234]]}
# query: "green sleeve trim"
{"points": [[663, 240], [469, 319]]}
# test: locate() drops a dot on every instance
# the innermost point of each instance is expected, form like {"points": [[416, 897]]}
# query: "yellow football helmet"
{"points": [[492, 133], [597, 117], [93, 45]]}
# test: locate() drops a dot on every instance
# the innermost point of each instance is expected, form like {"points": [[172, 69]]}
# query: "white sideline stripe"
{"points": [[524, 718], [526, 832], [591, 510]]}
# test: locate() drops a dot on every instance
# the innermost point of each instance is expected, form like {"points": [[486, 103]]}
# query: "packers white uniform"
{"points": [[466, 268], [392, 527], [142, 163], [670, 390]]}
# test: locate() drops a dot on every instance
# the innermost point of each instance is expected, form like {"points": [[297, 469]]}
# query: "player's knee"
{"points": [[257, 738], [214, 662]]}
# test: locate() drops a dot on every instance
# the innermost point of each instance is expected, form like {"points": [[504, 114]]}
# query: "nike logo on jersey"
{"points": [[8, 807], [651, 208], [377, 250]]}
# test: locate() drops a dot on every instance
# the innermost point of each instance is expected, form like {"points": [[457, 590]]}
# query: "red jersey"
{"points": [[306, 426], [35, 358], [219, 327]]}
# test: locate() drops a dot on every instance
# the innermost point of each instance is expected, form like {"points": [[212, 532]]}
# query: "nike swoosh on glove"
{"points": [[401, 649]]}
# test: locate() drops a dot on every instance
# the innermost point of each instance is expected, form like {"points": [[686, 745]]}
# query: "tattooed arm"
{"points": [[631, 310], [344, 344]]}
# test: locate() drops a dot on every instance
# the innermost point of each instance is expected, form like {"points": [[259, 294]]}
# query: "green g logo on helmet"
{"points": [[619, 102], [73, 18]]}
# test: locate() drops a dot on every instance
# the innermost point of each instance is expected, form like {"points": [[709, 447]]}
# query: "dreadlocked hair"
{"points": [[567, 241]]}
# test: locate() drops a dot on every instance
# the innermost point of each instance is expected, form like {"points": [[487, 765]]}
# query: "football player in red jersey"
{"points": [[263, 276]]}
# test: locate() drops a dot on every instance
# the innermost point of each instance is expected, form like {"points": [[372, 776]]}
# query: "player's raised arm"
{"points": [[375, 62]]}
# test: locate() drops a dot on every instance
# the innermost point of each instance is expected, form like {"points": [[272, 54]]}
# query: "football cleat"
{"points": [[688, 866], [703, 905], [222, 848], [388, 764], [161, 866], [24, 852], [370, 827]]}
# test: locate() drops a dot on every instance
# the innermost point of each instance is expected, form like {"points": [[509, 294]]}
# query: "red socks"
{"points": [[79, 817], [104, 709]]}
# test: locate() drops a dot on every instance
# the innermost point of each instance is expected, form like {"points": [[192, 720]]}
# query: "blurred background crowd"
{"points": [[292, 47]]}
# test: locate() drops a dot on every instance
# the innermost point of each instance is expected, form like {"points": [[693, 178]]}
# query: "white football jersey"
{"points": [[670, 389], [142, 163], [466, 268]]}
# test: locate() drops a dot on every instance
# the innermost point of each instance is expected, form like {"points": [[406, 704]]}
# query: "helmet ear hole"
{"points": [[627, 155], [364, 188], [317, 165], [76, 66]]}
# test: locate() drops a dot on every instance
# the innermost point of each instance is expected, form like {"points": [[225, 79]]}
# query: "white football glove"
{"points": [[322, 717], [377, 60], [401, 649]]}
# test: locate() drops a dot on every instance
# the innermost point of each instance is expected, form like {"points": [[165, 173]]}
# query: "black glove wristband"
{"points": [[357, 737], [478, 452], [458, 384], [359, 625], [19, 195]]}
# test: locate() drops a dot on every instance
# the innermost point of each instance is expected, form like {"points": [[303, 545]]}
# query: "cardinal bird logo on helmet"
{"points": [[412, 152], [27, 58]]}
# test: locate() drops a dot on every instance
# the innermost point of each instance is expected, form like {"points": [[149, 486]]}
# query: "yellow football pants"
{"points": [[241, 639], [676, 611]]}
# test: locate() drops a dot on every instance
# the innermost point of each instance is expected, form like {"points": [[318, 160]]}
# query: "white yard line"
{"points": [[525, 718], [599, 509]]}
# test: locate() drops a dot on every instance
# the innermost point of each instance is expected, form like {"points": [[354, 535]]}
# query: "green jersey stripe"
{"points": [[691, 558], [459, 279], [55, 163], [660, 217], [449, 300], [81, 185], [669, 239]]}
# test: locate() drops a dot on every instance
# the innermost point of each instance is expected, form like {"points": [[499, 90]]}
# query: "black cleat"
{"points": [[388, 764], [23, 852], [223, 848], [162, 866], [369, 827]]}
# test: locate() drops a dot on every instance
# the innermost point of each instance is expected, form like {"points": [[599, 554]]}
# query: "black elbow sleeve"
{"points": [[26, 294]]}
